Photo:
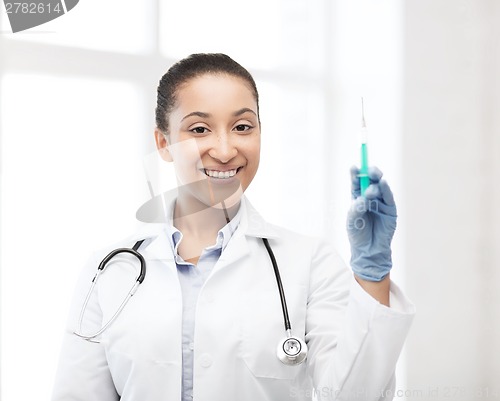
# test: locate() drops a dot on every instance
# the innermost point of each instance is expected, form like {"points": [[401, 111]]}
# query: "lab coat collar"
{"points": [[157, 245], [253, 224]]}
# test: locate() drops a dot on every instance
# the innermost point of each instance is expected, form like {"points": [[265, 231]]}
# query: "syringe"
{"points": [[364, 180]]}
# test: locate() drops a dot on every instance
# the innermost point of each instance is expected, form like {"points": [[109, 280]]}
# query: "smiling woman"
{"points": [[218, 146], [212, 275]]}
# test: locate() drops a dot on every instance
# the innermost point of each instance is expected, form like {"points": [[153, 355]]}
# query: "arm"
{"points": [[356, 359], [379, 290], [83, 372], [354, 341]]}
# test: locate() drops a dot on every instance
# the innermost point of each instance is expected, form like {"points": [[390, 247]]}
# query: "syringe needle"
{"points": [[363, 123]]}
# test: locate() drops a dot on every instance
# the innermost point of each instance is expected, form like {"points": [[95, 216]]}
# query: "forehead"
{"points": [[215, 91]]}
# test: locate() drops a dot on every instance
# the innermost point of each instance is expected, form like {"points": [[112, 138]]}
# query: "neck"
{"points": [[191, 219]]}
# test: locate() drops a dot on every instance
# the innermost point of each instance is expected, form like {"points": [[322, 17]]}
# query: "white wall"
{"points": [[451, 169]]}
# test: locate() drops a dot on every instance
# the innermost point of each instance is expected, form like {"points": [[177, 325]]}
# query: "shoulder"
{"points": [[317, 247], [255, 225], [280, 237], [146, 232], [312, 255], [287, 236]]}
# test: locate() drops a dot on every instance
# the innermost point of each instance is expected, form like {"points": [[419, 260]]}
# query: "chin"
{"points": [[213, 195], [229, 200]]}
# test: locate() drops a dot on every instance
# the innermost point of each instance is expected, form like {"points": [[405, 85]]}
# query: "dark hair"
{"points": [[192, 67]]}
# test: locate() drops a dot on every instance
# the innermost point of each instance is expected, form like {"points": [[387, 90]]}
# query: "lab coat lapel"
{"points": [[159, 248], [236, 249], [156, 245], [251, 225], [254, 224]]}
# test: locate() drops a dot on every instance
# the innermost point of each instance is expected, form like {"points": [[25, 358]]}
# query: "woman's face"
{"points": [[214, 139]]}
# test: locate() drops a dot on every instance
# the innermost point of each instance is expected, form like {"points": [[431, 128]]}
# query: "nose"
{"points": [[223, 149]]}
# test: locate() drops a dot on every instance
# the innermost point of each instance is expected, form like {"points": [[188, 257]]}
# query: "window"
{"points": [[71, 173]]}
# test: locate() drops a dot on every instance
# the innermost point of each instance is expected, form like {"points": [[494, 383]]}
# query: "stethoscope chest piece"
{"points": [[292, 350]]}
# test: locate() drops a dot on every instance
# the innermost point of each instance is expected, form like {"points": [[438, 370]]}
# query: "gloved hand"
{"points": [[371, 223]]}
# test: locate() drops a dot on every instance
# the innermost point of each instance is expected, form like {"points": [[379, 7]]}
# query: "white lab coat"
{"points": [[354, 342]]}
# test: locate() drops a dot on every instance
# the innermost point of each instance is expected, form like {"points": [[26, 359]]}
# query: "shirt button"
{"points": [[191, 346], [205, 360]]}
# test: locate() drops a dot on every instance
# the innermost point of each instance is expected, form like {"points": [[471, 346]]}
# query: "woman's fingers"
{"points": [[372, 192], [386, 193]]}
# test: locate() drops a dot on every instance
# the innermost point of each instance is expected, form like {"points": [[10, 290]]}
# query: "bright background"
{"points": [[77, 98]]}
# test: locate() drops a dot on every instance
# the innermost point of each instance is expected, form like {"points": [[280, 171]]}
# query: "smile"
{"points": [[221, 174]]}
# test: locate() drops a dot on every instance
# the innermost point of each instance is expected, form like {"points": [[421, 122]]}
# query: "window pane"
{"points": [[262, 34], [71, 183], [248, 32]]}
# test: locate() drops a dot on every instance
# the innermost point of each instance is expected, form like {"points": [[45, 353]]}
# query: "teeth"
{"points": [[220, 174]]}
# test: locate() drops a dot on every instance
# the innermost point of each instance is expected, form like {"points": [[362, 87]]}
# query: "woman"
{"points": [[206, 322]]}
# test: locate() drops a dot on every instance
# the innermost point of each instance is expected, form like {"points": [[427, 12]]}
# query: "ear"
{"points": [[162, 145]]}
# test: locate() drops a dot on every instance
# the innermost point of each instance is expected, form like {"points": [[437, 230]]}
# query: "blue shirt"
{"points": [[192, 278]]}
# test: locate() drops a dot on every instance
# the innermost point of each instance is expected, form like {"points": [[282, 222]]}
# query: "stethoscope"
{"points": [[291, 350]]}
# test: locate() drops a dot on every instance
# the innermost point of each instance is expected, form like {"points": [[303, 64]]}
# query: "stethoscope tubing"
{"points": [[284, 355], [140, 278], [133, 251], [286, 318]]}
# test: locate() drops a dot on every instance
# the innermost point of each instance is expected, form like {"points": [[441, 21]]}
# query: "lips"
{"points": [[214, 173]]}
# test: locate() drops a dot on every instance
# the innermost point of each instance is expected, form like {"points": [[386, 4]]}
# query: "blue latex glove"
{"points": [[371, 223]]}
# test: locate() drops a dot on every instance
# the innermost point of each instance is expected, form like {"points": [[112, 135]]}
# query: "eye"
{"points": [[242, 127], [199, 130]]}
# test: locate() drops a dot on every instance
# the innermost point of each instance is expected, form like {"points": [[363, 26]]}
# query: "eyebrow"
{"points": [[207, 115], [243, 111], [196, 113]]}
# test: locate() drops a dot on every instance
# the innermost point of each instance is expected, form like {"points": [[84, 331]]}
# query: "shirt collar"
{"points": [[175, 236], [154, 214]]}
